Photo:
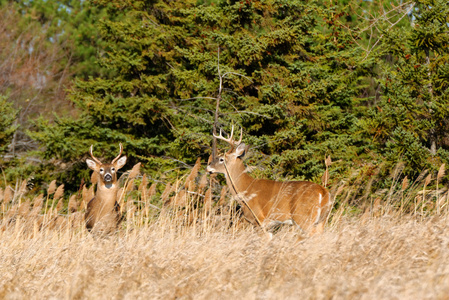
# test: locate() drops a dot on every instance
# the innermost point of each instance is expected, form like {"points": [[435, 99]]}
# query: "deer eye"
{"points": [[221, 159], [101, 170], [113, 170]]}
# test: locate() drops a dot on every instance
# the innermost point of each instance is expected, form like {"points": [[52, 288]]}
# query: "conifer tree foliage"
{"points": [[409, 120], [8, 117], [292, 81]]}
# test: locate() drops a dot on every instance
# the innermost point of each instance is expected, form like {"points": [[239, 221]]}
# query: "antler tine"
{"points": [[92, 155], [229, 140], [221, 137], [118, 156]]}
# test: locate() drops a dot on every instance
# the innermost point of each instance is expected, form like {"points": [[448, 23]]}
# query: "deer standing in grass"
{"points": [[267, 202], [103, 211]]}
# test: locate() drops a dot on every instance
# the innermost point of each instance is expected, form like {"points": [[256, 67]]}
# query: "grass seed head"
{"points": [[52, 187], [59, 206], [38, 202], [59, 192], [23, 187], [73, 205], [193, 174], [119, 195], [166, 193], [208, 199], [325, 178], [405, 182], [223, 193], [421, 175], [203, 182], [8, 194], [180, 199], [143, 183], [152, 190], [428, 179], [24, 209], [130, 186], [85, 197], [135, 171], [441, 171], [339, 190], [328, 161]]}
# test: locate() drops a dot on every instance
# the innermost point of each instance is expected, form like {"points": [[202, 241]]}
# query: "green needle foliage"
{"points": [[304, 79], [292, 82], [7, 123], [409, 119]]}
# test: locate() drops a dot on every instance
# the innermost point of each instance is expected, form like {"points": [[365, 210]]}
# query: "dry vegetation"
{"points": [[181, 242]]}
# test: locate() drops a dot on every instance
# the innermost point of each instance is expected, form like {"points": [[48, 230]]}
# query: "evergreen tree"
{"points": [[409, 121], [292, 82], [8, 125]]}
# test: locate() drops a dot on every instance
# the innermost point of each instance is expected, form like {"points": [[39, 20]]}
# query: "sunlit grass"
{"points": [[185, 243]]}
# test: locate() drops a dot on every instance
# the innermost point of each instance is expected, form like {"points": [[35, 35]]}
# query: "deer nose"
{"points": [[108, 177], [209, 170]]}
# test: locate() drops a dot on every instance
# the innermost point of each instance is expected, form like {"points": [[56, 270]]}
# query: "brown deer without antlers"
{"points": [[268, 202], [103, 211]]}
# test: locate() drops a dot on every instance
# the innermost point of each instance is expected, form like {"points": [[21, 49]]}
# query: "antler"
{"points": [[229, 140], [92, 155], [118, 156]]}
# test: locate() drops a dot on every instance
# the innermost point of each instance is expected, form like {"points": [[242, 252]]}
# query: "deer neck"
{"points": [[237, 178], [107, 193]]}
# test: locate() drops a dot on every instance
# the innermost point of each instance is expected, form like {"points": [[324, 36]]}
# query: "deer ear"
{"points": [[91, 164], [240, 151], [121, 162]]}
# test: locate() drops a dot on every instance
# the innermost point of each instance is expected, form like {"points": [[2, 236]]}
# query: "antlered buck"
{"points": [[103, 211], [268, 202]]}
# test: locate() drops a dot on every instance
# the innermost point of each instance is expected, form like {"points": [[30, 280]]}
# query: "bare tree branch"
{"points": [[375, 23]]}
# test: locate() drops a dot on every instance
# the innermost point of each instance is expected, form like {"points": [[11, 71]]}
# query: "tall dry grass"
{"points": [[185, 240]]}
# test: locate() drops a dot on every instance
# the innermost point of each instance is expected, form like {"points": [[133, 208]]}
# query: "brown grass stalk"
{"points": [[72, 205], [37, 205], [179, 248], [404, 186], [166, 193], [22, 190], [59, 192], [84, 197], [8, 194], [190, 180], [51, 188], [134, 171], [440, 175], [426, 183], [128, 185]]}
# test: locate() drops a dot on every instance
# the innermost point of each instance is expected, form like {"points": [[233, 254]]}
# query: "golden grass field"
{"points": [[396, 247]]}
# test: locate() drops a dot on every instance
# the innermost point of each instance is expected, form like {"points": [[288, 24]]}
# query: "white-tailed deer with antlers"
{"points": [[103, 211], [268, 202]]}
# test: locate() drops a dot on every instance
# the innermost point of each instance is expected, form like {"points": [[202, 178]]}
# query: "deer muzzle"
{"points": [[107, 177], [210, 170]]}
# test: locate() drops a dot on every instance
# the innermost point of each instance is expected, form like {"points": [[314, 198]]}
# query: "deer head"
{"points": [[107, 172], [231, 159]]}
